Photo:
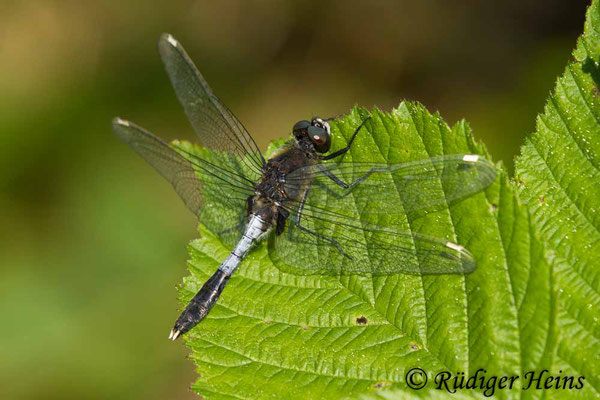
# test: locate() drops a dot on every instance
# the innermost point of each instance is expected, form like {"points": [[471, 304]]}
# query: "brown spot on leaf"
{"points": [[381, 385], [362, 320], [414, 346]]}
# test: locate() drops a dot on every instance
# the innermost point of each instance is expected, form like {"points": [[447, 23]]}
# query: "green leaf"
{"points": [[279, 335], [531, 304], [559, 176]]}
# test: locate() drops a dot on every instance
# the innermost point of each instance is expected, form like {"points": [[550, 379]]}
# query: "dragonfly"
{"points": [[318, 212]]}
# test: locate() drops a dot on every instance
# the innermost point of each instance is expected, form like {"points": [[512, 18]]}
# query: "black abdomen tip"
{"points": [[200, 305]]}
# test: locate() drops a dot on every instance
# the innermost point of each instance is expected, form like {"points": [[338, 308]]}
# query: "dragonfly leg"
{"points": [[333, 242], [345, 149], [350, 185], [249, 204], [282, 216]]}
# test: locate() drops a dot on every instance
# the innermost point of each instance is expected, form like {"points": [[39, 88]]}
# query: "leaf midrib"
{"points": [[373, 306], [422, 291]]}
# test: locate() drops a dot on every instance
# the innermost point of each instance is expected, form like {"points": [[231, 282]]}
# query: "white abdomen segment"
{"points": [[254, 231]]}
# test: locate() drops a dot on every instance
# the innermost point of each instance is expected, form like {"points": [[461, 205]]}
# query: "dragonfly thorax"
{"points": [[272, 184]]}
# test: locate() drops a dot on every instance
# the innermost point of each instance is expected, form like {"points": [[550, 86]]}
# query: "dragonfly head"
{"points": [[316, 131]]}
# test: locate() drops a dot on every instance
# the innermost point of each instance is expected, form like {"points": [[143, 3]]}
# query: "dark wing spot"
{"points": [[362, 320]]}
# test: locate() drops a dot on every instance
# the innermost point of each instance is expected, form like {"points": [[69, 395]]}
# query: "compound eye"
{"points": [[320, 138], [317, 134], [300, 125]]}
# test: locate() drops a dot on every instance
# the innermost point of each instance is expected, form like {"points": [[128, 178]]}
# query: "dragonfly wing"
{"points": [[335, 244], [408, 188], [219, 191], [334, 233], [213, 122]]}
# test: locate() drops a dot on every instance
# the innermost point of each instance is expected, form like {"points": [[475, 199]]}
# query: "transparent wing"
{"points": [[215, 193], [333, 229], [213, 122], [407, 188], [328, 243]]}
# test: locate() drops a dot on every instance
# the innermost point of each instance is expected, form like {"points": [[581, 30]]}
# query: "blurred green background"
{"points": [[93, 241]]}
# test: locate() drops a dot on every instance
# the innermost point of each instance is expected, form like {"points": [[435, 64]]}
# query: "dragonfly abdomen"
{"points": [[208, 295], [254, 231], [200, 304]]}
